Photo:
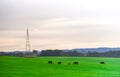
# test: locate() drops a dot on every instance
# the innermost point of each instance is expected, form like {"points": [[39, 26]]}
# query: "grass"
{"points": [[38, 67]]}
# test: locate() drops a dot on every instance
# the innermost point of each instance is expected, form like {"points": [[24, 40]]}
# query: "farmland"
{"points": [[39, 67]]}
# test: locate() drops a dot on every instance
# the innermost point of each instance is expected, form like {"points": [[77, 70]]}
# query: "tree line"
{"points": [[81, 54], [64, 53]]}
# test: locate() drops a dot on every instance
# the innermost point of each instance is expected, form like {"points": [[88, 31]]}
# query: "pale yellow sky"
{"points": [[59, 24]]}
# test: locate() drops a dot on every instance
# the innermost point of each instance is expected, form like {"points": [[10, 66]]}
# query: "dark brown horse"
{"points": [[49, 62], [59, 62], [75, 63], [102, 62]]}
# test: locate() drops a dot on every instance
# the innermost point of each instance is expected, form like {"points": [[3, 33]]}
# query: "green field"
{"points": [[39, 67]]}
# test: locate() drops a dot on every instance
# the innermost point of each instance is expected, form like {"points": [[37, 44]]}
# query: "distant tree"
{"points": [[52, 53], [35, 51], [93, 54]]}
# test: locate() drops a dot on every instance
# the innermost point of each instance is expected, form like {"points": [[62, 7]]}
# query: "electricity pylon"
{"points": [[27, 41]]}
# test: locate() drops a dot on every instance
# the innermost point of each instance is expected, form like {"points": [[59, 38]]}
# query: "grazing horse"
{"points": [[49, 62], [59, 62], [76, 63], [102, 62]]}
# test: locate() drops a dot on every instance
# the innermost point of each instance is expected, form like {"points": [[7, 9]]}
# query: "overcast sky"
{"points": [[59, 24]]}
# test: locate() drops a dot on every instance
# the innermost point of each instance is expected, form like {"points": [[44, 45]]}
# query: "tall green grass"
{"points": [[38, 67]]}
